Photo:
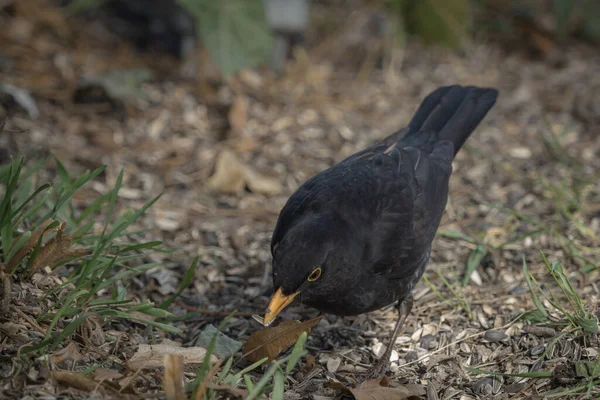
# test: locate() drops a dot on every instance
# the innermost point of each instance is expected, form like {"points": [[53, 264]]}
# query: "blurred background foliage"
{"points": [[243, 33]]}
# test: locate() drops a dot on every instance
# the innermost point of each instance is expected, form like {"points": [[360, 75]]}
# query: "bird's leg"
{"points": [[380, 368]]}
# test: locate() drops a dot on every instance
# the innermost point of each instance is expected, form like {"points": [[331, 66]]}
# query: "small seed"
{"points": [[495, 336], [537, 350]]}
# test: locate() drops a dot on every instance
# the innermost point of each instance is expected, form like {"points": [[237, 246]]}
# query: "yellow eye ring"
{"points": [[315, 274]]}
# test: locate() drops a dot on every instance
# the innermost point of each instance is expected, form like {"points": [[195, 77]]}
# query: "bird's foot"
{"points": [[379, 369]]}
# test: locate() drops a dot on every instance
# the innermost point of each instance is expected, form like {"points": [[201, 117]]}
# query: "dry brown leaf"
{"points": [[238, 113], [271, 341], [15, 331], [232, 176], [33, 239], [105, 374], [68, 356], [378, 389], [79, 382], [259, 182], [229, 176], [91, 331], [57, 248], [244, 144], [173, 381], [152, 356]]}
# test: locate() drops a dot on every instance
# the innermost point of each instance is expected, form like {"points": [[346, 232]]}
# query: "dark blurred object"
{"points": [[288, 19], [152, 25], [5, 3], [542, 26], [113, 91]]}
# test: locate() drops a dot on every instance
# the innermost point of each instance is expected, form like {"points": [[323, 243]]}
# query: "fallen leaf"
{"points": [[15, 331], [67, 357], [30, 244], [229, 176], [259, 182], [333, 364], [378, 389], [57, 248], [152, 356], [272, 341], [224, 346], [105, 374], [79, 382], [173, 377], [232, 176], [91, 331]]}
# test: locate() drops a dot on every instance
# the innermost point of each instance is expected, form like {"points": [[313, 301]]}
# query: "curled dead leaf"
{"points": [[31, 242], [57, 248], [173, 378], [232, 176], [272, 341]]}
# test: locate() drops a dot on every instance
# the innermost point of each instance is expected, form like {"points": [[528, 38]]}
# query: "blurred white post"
{"points": [[286, 17]]}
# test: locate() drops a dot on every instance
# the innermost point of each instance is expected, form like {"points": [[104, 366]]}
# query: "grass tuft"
{"points": [[44, 232]]}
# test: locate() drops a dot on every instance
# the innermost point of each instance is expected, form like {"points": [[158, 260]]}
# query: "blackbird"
{"points": [[357, 236]]}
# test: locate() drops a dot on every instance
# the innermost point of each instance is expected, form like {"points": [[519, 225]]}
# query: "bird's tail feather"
{"points": [[453, 112]]}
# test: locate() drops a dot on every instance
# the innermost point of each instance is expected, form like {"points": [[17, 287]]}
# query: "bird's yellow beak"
{"points": [[279, 301]]}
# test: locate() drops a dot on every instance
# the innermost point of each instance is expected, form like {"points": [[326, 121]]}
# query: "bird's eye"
{"points": [[315, 274]]}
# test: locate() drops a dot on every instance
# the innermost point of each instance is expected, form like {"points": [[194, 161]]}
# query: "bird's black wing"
{"points": [[310, 194], [410, 197]]}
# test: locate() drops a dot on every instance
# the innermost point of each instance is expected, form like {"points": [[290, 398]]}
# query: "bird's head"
{"points": [[305, 262]]}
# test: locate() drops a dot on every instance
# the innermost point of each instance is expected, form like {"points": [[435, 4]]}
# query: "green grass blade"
{"points": [[112, 201], [297, 352], [473, 262], [249, 384], [30, 198], [223, 374], [278, 385], [187, 279], [69, 330], [257, 390], [536, 300]]}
